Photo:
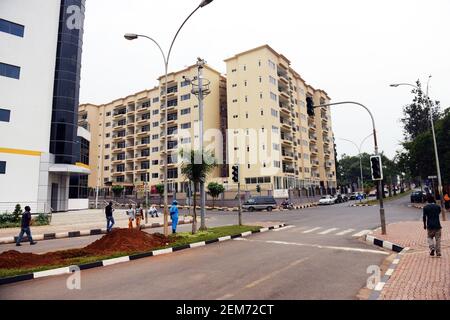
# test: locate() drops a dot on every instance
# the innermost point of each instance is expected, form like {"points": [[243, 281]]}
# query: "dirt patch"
{"points": [[118, 241]]}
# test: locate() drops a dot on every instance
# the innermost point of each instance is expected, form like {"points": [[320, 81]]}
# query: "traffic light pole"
{"points": [[380, 183], [240, 203]]}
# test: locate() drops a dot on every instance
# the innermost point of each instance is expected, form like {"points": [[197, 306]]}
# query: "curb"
{"points": [[110, 262], [83, 233], [376, 292]]}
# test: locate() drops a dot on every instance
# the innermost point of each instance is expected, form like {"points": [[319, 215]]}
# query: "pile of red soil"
{"points": [[118, 241]]}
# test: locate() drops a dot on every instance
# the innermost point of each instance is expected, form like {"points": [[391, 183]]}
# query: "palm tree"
{"points": [[196, 168]]}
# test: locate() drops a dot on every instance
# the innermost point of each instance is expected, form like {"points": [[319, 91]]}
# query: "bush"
{"points": [[43, 219]]}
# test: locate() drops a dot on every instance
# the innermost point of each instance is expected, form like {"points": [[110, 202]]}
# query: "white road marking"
{"points": [[348, 249], [380, 286], [345, 232], [396, 261], [311, 230], [263, 279], [329, 231], [284, 228], [362, 233]]}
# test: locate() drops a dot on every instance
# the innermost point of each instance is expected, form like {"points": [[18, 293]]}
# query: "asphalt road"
{"points": [[319, 256]]}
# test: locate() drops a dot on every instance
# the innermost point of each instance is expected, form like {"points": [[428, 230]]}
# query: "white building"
{"points": [[42, 150]]}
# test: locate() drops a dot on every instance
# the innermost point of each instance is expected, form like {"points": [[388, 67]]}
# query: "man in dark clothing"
{"points": [[25, 227], [432, 224], [109, 217]]}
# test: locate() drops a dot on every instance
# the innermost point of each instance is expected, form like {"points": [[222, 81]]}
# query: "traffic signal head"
{"points": [[377, 168], [310, 106], [235, 174]]}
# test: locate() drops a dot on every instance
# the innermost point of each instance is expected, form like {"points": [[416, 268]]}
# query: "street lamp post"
{"points": [[133, 36], [438, 167], [360, 157], [380, 184]]}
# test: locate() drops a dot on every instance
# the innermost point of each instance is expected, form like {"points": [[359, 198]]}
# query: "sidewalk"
{"points": [[79, 220], [418, 276]]}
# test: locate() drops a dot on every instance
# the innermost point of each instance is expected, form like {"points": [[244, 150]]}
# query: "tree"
{"points": [[17, 213], [117, 190], [416, 116], [195, 168], [215, 190], [160, 190]]}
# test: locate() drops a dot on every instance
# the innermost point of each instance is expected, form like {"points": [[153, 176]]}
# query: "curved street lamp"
{"points": [[166, 58], [380, 184], [360, 156], [438, 167]]}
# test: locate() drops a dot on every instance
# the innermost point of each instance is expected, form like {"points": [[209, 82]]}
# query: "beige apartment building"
{"points": [[255, 116], [128, 133], [267, 102]]}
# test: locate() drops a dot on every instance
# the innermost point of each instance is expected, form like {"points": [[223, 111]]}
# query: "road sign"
{"points": [[432, 177]]}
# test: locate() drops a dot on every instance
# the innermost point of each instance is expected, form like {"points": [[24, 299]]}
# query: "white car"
{"points": [[327, 200]]}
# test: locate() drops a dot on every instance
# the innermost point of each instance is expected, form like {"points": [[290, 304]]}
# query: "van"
{"points": [[260, 203]]}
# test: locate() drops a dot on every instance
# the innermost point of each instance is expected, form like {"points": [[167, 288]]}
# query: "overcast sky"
{"points": [[352, 49]]}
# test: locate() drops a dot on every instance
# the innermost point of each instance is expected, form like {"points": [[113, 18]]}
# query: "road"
{"points": [[319, 256]]}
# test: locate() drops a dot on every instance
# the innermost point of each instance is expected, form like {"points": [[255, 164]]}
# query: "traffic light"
{"points": [[235, 174], [377, 168], [310, 106]]}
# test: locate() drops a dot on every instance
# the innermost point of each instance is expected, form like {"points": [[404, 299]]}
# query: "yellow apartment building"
{"points": [[256, 117]]}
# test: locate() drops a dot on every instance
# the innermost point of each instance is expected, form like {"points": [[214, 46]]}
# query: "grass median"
{"points": [[387, 199], [84, 256]]}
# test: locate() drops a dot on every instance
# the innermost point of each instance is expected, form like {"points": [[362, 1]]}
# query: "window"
{"points": [[259, 63], [185, 83], [5, 115], [108, 114], [245, 83], [235, 100], [155, 176], [120, 179], [107, 146], [246, 115], [276, 147], [155, 124], [155, 162], [186, 97], [260, 79], [272, 64], [106, 168], [186, 125], [248, 166], [172, 174], [245, 68], [108, 124], [275, 129], [145, 105], [246, 99], [260, 95], [274, 113], [262, 112], [12, 28], [277, 164], [107, 157], [155, 149], [233, 70], [155, 112], [185, 111], [155, 137], [9, 71], [235, 116], [185, 140], [155, 100], [108, 135], [2, 167], [273, 96], [272, 80]]}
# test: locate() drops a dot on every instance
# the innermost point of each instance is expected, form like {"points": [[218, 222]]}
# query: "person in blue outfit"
{"points": [[174, 216]]}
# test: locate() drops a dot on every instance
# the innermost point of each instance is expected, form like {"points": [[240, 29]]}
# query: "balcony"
{"points": [[131, 109], [328, 164], [284, 107], [315, 163], [130, 145], [286, 124], [142, 120], [287, 139], [312, 137], [287, 154], [142, 132], [118, 137], [288, 169], [118, 148], [143, 145], [314, 150], [119, 114]]}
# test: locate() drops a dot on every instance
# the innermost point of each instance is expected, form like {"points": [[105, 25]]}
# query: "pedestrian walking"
{"points": [[131, 213], [447, 202], [139, 215], [109, 210], [433, 226], [174, 216], [25, 227]]}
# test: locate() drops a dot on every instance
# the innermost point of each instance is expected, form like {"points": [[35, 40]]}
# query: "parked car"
{"points": [[259, 204], [339, 198], [418, 197], [327, 200]]}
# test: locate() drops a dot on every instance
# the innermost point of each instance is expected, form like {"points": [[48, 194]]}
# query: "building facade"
{"points": [[129, 132], [255, 116], [40, 142], [267, 103]]}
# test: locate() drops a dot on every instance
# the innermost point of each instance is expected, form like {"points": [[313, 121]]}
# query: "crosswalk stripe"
{"points": [[329, 231], [362, 233], [312, 230], [345, 232]]}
